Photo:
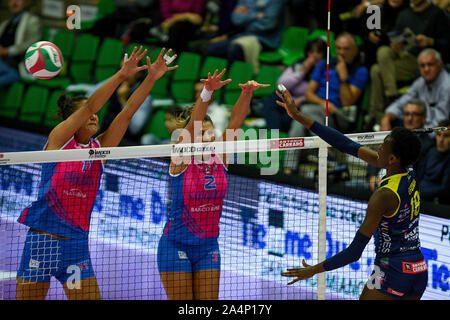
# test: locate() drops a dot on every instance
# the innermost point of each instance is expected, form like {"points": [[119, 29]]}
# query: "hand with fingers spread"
{"points": [[213, 82], [300, 273], [252, 85], [158, 68], [130, 65]]}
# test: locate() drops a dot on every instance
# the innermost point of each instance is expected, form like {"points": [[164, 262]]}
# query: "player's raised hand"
{"points": [[287, 102], [252, 85], [213, 82], [131, 64], [161, 65], [300, 273]]}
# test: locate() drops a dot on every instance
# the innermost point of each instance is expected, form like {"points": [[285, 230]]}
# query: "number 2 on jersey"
{"points": [[210, 183]]}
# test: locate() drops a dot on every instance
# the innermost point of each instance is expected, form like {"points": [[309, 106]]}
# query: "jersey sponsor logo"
{"points": [[414, 267], [394, 292], [206, 208], [385, 238], [79, 179], [75, 193], [182, 255], [213, 195]]}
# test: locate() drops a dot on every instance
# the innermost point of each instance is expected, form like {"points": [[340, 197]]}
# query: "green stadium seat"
{"points": [[102, 112], [51, 119], [156, 125], [110, 53], [109, 58], [83, 58], [267, 75], [292, 47], [65, 41], [210, 64], [34, 104], [185, 77], [240, 72], [161, 88], [11, 100], [188, 67]]}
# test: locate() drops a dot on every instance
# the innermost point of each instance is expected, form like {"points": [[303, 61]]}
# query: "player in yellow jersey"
{"points": [[400, 270]]}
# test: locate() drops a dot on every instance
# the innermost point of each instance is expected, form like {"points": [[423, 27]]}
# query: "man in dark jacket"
{"points": [[434, 179]]}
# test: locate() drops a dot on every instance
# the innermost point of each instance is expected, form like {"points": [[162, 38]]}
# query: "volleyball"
{"points": [[43, 60]]}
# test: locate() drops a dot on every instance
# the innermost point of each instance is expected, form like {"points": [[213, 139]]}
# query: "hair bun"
{"points": [[63, 101]]}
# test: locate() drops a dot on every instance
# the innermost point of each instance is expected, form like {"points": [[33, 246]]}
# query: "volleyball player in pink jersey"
{"points": [[188, 251], [57, 242]]}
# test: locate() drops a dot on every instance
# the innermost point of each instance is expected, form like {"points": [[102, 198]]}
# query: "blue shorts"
{"points": [[44, 257], [174, 256], [400, 274]]}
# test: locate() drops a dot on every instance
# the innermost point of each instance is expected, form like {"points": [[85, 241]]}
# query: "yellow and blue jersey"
{"points": [[399, 232]]}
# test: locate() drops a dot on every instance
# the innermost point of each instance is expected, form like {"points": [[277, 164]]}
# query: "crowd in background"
{"points": [[408, 80]]}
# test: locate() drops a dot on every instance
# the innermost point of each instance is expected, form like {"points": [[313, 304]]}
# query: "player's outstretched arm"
{"points": [[67, 128], [333, 137], [241, 107], [211, 84], [382, 202], [115, 132]]}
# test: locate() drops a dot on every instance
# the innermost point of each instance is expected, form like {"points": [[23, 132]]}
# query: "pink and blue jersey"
{"points": [[66, 195], [197, 199]]}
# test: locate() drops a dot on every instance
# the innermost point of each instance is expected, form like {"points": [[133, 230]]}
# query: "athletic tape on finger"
{"points": [[169, 59]]}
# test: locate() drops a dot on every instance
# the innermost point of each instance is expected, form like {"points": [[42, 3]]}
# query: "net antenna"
{"points": [[328, 62]]}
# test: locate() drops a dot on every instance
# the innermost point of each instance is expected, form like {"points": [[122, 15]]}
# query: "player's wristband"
{"points": [[206, 94], [335, 139], [349, 255]]}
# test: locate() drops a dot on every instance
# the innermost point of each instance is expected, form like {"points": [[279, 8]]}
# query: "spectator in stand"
{"points": [[434, 179], [263, 23], [433, 87], [374, 39], [414, 117], [443, 4], [352, 19], [130, 22], [182, 20], [17, 33], [295, 78], [430, 26], [347, 81]]}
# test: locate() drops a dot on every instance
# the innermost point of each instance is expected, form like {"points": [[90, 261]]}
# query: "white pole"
{"points": [[322, 227]]}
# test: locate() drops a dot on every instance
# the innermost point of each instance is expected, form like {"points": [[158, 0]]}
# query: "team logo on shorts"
{"points": [[414, 267], [34, 264], [182, 255]]}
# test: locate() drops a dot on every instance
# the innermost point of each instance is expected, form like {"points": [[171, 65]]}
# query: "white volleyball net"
{"points": [[269, 221]]}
